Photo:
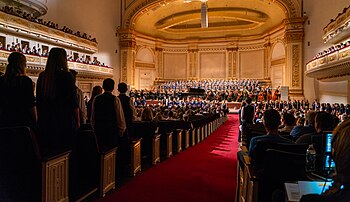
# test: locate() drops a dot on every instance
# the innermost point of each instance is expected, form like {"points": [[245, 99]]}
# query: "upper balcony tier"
{"points": [[35, 7], [36, 64], [339, 28], [21, 27]]}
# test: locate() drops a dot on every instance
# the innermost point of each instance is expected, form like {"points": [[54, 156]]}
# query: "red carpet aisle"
{"points": [[205, 172]]}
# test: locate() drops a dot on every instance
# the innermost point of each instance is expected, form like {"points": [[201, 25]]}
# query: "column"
{"points": [[159, 63], [294, 34], [127, 59]]}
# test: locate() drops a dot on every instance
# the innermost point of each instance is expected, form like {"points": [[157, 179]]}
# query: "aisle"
{"points": [[205, 172]]}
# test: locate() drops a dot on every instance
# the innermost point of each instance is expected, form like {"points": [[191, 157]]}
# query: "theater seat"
{"points": [[92, 168], [25, 175]]}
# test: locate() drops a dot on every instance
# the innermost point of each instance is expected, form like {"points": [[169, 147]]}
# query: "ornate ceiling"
{"points": [[176, 20]]}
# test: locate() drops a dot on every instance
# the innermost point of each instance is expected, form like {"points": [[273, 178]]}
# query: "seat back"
{"points": [[20, 170], [85, 164], [263, 146], [279, 167]]}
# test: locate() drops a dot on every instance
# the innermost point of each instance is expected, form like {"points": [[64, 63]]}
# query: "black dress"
{"points": [[16, 101], [56, 120]]}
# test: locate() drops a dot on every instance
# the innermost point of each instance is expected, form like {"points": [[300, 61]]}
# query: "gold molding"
{"points": [[145, 65], [278, 61]]}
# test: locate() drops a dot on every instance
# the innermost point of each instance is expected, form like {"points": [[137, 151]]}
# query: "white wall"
{"points": [[319, 14], [96, 18]]}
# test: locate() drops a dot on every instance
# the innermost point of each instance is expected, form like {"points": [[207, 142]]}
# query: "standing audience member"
{"points": [[107, 116], [340, 189], [127, 104], [17, 103], [96, 90], [58, 111], [80, 99], [247, 116]]}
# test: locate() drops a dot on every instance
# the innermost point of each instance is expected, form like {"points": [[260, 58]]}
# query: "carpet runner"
{"points": [[205, 172]]}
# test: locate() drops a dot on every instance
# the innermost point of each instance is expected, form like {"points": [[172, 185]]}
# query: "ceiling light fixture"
{"points": [[204, 11]]}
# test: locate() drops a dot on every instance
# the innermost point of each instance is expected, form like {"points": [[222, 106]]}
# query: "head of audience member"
{"points": [[108, 85], [341, 155], [16, 65], [271, 121], [96, 90], [323, 122], [122, 87], [248, 100], [310, 118], [301, 121], [147, 114], [57, 60], [288, 119]]}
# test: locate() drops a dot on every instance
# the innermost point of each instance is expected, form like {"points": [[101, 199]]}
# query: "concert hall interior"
{"points": [[169, 100]]}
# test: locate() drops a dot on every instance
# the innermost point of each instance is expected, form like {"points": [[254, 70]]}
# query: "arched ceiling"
{"points": [[177, 20]]}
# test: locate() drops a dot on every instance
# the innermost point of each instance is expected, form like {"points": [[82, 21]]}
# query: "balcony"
{"points": [[36, 64], [333, 65]]}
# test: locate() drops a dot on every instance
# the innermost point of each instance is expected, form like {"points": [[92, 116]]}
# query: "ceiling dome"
{"points": [[177, 20]]}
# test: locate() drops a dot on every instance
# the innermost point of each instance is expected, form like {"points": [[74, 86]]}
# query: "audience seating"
{"points": [[274, 164], [26, 175], [90, 167], [150, 143], [93, 167], [135, 151]]}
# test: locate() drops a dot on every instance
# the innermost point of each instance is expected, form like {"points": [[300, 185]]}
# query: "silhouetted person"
{"points": [[17, 103], [107, 116], [58, 111], [96, 90]]}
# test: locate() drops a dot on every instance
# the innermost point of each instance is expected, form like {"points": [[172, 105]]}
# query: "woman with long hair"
{"points": [[96, 90], [58, 112], [17, 103]]}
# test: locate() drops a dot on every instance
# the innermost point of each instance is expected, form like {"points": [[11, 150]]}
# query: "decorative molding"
{"points": [[278, 62], [124, 71], [292, 37], [145, 65], [295, 66]]}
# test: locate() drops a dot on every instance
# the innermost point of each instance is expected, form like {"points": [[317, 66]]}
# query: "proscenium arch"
{"points": [[292, 9]]}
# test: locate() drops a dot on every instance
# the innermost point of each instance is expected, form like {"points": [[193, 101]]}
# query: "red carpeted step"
{"points": [[205, 172]]}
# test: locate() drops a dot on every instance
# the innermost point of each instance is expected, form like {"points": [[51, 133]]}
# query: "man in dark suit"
{"points": [[107, 116], [247, 117]]}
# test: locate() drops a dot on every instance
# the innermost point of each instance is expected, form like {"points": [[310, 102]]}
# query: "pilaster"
{"points": [[294, 34], [128, 54]]}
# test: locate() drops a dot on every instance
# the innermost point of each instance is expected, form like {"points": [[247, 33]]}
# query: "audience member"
{"points": [[309, 126], [107, 116], [271, 121], [340, 189], [80, 99], [288, 122], [58, 111], [17, 103], [323, 122], [96, 90]]}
